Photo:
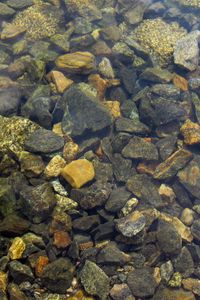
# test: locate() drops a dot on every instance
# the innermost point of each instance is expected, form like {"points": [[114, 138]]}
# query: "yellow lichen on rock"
{"points": [[78, 172], [54, 167], [17, 248]]}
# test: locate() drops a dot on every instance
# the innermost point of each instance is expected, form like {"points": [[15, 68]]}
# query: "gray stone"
{"points": [[122, 167], [20, 272], [9, 101], [166, 271], [157, 75], [117, 199], [195, 229], [5, 10], [183, 263], [7, 198], [131, 126], [131, 224], [19, 4], [86, 223]]}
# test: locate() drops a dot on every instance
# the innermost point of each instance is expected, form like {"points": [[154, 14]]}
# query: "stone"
{"points": [[196, 104], [166, 146], [94, 280], [122, 167], [65, 204], [130, 205], [117, 199], [61, 239], [175, 294], [139, 148], [43, 141], [86, 223], [9, 101], [166, 270], [111, 255], [141, 282], [57, 275], [157, 75], [168, 238], [99, 84], [195, 229], [175, 281], [15, 292], [121, 291], [70, 151], [165, 90], [20, 272], [60, 222], [11, 31], [192, 284], [114, 108], [17, 248], [54, 167], [184, 263], [80, 295], [180, 82], [3, 281], [131, 224], [167, 193], [172, 164], [61, 82], [5, 10], [59, 188], [130, 126], [13, 224], [77, 62], [18, 4], [38, 202], [186, 51], [190, 132], [187, 216], [83, 112], [105, 68], [41, 262], [31, 165], [7, 198], [78, 172]]}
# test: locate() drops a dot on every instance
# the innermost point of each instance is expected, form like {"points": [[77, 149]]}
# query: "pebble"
{"points": [[187, 216], [3, 281], [105, 68], [17, 248], [190, 132], [58, 78], [54, 167], [41, 262], [61, 239]]}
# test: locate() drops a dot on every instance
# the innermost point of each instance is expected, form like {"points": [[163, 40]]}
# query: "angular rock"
{"points": [[20, 272], [139, 148], [111, 255], [61, 239], [15, 292], [132, 224], [7, 198], [172, 164], [175, 294], [122, 167], [105, 68], [5, 10], [31, 165], [57, 276], [166, 146], [166, 271], [121, 291], [13, 224], [117, 199], [131, 126], [86, 223], [17, 248], [19, 4], [191, 132], [94, 280], [54, 167], [157, 75], [184, 263], [61, 82], [192, 284], [43, 141], [195, 229], [9, 100]]}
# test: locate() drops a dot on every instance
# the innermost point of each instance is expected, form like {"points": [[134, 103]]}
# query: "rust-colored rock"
{"points": [[99, 84], [17, 248], [70, 151], [61, 239], [61, 82], [114, 108], [77, 62], [78, 172], [180, 82], [60, 222], [191, 132], [54, 167], [42, 261]]}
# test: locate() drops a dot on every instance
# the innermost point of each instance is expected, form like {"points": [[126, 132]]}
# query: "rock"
{"points": [[58, 78], [117, 199], [141, 282], [168, 238], [3, 281], [11, 31], [9, 101], [31, 165], [5, 10], [60, 222], [175, 294], [144, 188], [165, 90], [166, 271], [129, 206], [13, 224], [17, 248], [41, 262], [131, 126], [80, 295], [43, 141], [70, 151], [131, 224], [192, 284], [18, 4], [65, 203], [84, 112], [172, 164], [20, 272], [57, 275], [86, 223], [54, 167], [189, 177], [15, 292], [94, 280], [105, 68], [135, 14], [7, 198], [99, 84], [187, 216], [167, 193], [121, 291], [166, 146], [38, 202], [157, 75], [139, 148], [196, 104], [122, 167], [78, 172], [59, 188], [175, 281], [77, 62], [180, 82], [183, 263], [195, 229], [111, 255], [186, 51], [61, 239], [191, 132], [114, 108]]}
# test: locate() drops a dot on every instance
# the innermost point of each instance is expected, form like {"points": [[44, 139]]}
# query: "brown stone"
{"points": [[114, 108], [11, 31], [42, 261], [174, 294], [31, 165], [146, 167], [70, 151], [78, 172], [61, 82], [60, 222], [180, 82], [80, 295], [167, 193], [17, 248], [15, 293], [3, 281], [86, 245], [77, 62], [99, 84], [6, 82], [157, 275], [101, 48], [192, 284], [191, 132], [54, 167], [61, 239]]}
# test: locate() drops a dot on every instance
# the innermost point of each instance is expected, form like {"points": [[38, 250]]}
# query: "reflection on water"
{"points": [[99, 149]]}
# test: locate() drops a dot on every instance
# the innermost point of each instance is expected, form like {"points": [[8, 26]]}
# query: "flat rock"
{"points": [[131, 224], [175, 294], [139, 148], [121, 291], [43, 141], [5, 10], [86, 223], [131, 126], [157, 75], [20, 272], [117, 199]]}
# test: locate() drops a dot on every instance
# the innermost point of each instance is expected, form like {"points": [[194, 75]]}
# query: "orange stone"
{"points": [[61, 239], [99, 84], [61, 82], [180, 82], [191, 132], [42, 261]]}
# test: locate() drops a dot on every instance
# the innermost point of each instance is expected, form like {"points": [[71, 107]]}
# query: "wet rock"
{"points": [[57, 276], [105, 68], [117, 199], [165, 90], [192, 284], [139, 148], [122, 168], [196, 103], [5, 10], [94, 280], [15, 292], [61, 239], [31, 165], [169, 239], [180, 82], [13, 224], [121, 291], [84, 112], [86, 223], [43, 141], [70, 151], [60, 222], [191, 132], [18, 4], [141, 282], [11, 31], [59, 188], [189, 177], [175, 281], [111, 255], [119, 141], [114, 108], [54, 167], [20, 272], [58, 78], [186, 51], [77, 62], [187, 216], [78, 172], [129, 206], [132, 224], [7, 198], [166, 146], [167, 193], [38, 202], [3, 281], [175, 294], [131, 126], [9, 101], [166, 271], [157, 75], [17, 248], [195, 229], [135, 14], [144, 188], [183, 263], [172, 164]]}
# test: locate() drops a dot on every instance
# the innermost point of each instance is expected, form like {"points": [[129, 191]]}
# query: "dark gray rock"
{"points": [[43, 141], [111, 255], [117, 199], [57, 276], [20, 272], [168, 238], [183, 263], [104, 231], [94, 280], [7, 198], [83, 112], [128, 77], [38, 202], [9, 101], [165, 91], [138, 148], [166, 271], [122, 167], [166, 146], [141, 282], [182, 195], [195, 229], [19, 4], [196, 104], [86, 223], [131, 126], [157, 75], [119, 141]]}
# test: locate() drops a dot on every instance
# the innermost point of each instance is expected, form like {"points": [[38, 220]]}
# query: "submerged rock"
{"points": [[132, 224], [191, 132]]}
